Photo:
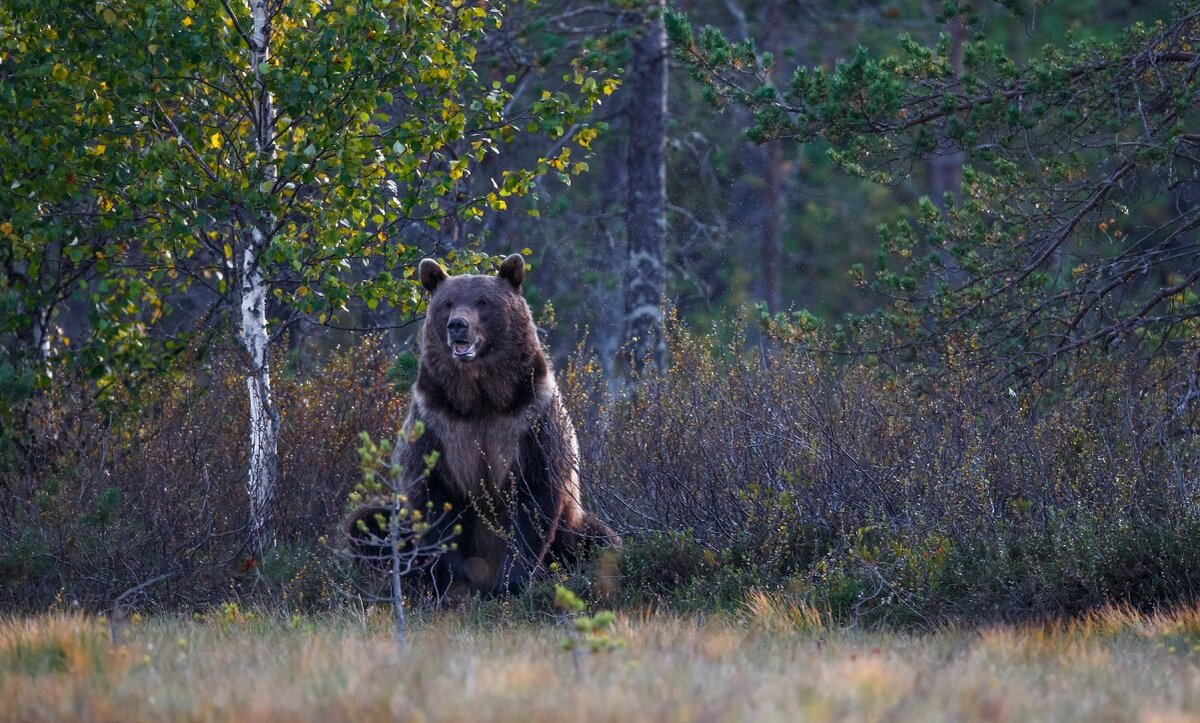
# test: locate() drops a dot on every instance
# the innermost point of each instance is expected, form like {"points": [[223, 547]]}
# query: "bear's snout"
{"points": [[463, 341]]}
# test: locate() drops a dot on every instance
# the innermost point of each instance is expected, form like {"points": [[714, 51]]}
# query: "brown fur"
{"points": [[508, 455]]}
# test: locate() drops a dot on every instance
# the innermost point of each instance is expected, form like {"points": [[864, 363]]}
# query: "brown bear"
{"points": [[507, 458]]}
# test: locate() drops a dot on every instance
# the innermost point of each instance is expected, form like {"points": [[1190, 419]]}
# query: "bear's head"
{"points": [[476, 317]]}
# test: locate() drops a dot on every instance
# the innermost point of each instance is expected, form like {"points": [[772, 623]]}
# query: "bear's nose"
{"points": [[457, 325]]}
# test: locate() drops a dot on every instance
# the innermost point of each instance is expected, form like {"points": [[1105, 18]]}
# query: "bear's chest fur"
{"points": [[477, 452]]}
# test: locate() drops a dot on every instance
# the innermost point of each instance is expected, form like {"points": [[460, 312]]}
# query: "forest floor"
{"points": [[755, 666]]}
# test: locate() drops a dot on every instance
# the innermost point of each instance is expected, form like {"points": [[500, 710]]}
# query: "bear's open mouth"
{"points": [[462, 350]]}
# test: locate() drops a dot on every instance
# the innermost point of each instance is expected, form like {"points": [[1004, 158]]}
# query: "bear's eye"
{"points": [[448, 304], [481, 301]]}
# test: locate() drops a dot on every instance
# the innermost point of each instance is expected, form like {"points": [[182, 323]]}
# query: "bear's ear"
{"points": [[432, 274], [513, 270]]}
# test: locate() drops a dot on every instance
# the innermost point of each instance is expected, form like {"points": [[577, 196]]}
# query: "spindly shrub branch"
{"points": [[390, 534]]}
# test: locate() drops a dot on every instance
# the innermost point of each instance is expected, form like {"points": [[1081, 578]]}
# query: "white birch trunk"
{"points": [[41, 333], [264, 417]]}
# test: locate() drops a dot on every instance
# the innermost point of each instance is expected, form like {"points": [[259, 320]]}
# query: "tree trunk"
{"points": [[945, 167], [41, 333], [264, 417], [646, 209], [946, 164], [772, 233]]}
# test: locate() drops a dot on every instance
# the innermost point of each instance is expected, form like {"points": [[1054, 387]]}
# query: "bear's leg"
{"points": [[534, 528], [367, 532], [368, 538], [445, 577], [449, 574], [494, 561]]}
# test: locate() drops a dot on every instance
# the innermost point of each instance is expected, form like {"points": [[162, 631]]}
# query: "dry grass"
{"points": [[772, 662]]}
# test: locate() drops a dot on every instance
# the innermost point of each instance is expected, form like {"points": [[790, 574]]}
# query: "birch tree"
{"points": [[252, 285], [295, 151]]}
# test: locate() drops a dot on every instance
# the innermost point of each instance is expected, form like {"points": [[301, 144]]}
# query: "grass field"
{"points": [[771, 662]]}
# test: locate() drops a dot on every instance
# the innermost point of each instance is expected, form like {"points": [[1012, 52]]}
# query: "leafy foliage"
{"points": [[1078, 197], [132, 174], [592, 632]]}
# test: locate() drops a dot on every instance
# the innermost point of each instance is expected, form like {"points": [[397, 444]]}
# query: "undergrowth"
{"points": [[850, 490]]}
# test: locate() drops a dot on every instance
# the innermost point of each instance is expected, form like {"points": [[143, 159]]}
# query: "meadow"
{"points": [[766, 661]]}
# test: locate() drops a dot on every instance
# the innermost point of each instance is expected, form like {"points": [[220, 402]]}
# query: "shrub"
{"points": [[871, 492], [894, 494], [155, 483]]}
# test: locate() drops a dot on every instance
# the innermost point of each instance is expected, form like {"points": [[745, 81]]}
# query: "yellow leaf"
{"points": [[215, 140], [187, 22], [586, 136], [6, 227], [59, 72], [99, 149]]}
